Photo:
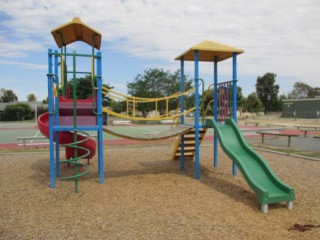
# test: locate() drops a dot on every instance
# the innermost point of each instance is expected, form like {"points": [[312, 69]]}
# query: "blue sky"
{"points": [[278, 36]]}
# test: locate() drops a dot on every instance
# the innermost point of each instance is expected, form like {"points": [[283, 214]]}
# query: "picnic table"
{"points": [[307, 128], [25, 140], [254, 123], [277, 125], [289, 135]]}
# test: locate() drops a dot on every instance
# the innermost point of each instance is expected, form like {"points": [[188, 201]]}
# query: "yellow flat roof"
{"points": [[208, 50], [74, 31]]}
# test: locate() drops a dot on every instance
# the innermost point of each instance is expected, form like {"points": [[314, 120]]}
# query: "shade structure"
{"points": [[208, 51], [76, 30]]}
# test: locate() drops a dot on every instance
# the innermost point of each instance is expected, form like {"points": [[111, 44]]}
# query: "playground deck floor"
{"points": [[146, 196]]}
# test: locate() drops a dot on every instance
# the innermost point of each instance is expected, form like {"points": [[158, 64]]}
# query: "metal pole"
{"points": [[99, 119], [234, 105], [56, 112], [35, 112], [75, 124], [50, 96], [215, 111], [182, 110], [196, 120]]}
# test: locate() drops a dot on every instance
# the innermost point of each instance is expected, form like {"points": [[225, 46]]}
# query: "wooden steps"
{"points": [[189, 144]]}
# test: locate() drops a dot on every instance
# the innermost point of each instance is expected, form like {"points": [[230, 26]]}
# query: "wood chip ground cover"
{"points": [[146, 196]]}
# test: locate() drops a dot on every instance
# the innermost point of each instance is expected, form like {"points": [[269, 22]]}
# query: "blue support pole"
{"points": [[99, 119], [50, 97], [56, 113], [182, 110], [215, 111], [196, 119], [234, 76], [234, 100]]}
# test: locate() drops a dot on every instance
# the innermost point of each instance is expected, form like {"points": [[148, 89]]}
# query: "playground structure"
{"points": [[69, 117]]}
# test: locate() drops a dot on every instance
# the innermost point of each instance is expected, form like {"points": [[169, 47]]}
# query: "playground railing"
{"points": [[131, 103]]}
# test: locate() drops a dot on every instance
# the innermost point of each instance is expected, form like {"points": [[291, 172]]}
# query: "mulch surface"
{"points": [[146, 196]]}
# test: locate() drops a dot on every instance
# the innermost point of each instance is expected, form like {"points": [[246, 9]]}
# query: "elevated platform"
{"points": [[84, 106], [84, 120]]}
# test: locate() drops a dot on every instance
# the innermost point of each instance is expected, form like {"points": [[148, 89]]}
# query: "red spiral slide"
{"points": [[67, 138]]}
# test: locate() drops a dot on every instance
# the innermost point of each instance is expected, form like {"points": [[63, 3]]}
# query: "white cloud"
{"points": [[24, 64], [277, 36], [8, 80]]}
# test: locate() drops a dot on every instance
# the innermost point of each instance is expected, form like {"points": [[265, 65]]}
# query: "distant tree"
{"points": [[282, 97], [253, 103], [84, 89], [240, 98], [118, 106], [242, 103], [267, 91], [314, 92], [7, 96], [17, 112], [45, 101], [300, 91], [41, 109], [157, 83], [31, 97]]}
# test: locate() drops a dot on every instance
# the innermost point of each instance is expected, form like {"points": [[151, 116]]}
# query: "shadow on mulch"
{"points": [[208, 176]]}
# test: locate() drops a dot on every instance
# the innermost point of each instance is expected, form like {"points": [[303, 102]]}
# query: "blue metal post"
{"points": [[234, 76], [50, 97], [99, 119], [234, 100], [215, 111], [182, 110], [56, 112], [196, 117]]}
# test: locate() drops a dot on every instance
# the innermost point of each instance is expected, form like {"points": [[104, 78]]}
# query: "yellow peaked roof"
{"points": [[75, 30], [208, 50]]}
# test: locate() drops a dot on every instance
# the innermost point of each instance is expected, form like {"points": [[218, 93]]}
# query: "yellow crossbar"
{"points": [[157, 118], [107, 91]]}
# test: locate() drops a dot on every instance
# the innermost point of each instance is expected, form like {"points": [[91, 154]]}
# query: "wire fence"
{"points": [[301, 114], [21, 114], [307, 115]]}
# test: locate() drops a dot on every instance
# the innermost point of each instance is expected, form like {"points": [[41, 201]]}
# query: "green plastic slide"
{"points": [[260, 177]]}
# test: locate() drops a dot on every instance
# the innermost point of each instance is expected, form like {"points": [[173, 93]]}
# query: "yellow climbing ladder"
{"points": [[189, 136], [189, 144]]}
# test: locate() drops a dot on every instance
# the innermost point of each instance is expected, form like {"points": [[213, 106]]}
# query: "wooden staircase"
{"points": [[189, 144]]}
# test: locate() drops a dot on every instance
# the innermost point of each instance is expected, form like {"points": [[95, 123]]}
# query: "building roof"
{"points": [[301, 100], [208, 50], [76, 30]]}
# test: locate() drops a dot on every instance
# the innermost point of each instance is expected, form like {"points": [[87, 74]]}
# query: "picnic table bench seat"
{"points": [[289, 135]]}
